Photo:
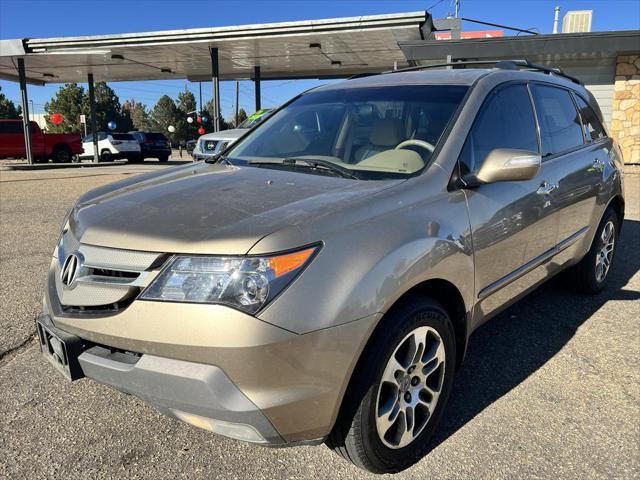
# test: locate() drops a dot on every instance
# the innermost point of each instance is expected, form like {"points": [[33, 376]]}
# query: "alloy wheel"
{"points": [[605, 254], [410, 387]]}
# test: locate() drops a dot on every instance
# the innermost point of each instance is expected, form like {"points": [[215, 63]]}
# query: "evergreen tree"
{"points": [[68, 102], [139, 115], [8, 109], [108, 109], [188, 106], [165, 113], [242, 116]]}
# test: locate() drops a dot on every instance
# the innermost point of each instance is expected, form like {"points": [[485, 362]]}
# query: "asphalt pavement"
{"points": [[550, 388]]}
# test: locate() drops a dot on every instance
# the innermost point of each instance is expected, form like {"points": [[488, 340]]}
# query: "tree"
{"points": [[8, 109], [187, 106], [138, 114], [224, 125], [68, 102], [108, 109], [165, 113], [242, 116]]}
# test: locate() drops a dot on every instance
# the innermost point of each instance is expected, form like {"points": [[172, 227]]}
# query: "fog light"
{"points": [[238, 431]]}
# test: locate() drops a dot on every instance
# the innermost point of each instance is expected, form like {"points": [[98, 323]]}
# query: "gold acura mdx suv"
{"points": [[319, 280]]}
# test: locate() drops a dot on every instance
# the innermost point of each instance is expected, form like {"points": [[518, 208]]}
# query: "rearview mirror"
{"points": [[507, 165]]}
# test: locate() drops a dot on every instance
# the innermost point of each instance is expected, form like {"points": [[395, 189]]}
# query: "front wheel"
{"points": [[590, 275], [398, 390]]}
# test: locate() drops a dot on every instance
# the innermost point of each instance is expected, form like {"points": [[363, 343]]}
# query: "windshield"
{"points": [[374, 132]]}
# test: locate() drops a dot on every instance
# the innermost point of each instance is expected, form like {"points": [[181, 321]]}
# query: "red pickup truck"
{"points": [[60, 147]]}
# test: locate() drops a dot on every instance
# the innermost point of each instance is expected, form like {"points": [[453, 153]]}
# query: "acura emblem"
{"points": [[70, 270]]}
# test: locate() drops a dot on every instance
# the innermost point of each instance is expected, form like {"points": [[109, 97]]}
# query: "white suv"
{"points": [[112, 146]]}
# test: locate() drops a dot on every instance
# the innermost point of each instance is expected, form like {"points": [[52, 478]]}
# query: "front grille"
{"points": [[107, 279]]}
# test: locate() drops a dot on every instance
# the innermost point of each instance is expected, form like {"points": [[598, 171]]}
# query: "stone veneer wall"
{"points": [[625, 117]]}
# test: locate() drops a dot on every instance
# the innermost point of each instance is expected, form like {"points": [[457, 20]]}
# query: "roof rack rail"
{"points": [[501, 64]]}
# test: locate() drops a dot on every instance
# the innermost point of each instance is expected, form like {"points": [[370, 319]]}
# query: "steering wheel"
{"points": [[418, 143]]}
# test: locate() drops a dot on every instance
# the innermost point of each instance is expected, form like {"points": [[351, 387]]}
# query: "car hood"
{"points": [[202, 208], [225, 134]]}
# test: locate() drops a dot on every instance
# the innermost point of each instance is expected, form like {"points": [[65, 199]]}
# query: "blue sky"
{"points": [[49, 18]]}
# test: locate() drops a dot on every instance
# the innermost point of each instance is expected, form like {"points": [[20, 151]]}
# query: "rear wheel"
{"points": [[590, 275], [106, 156], [62, 154], [163, 158], [398, 390]]}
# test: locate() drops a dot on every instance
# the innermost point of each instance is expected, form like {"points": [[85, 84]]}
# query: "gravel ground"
{"points": [[550, 389]]}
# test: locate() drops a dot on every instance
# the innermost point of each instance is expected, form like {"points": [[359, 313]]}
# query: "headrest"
{"points": [[386, 132]]}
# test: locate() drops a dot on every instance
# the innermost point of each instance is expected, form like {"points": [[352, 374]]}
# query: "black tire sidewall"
{"points": [[106, 156], [423, 313], [62, 151]]}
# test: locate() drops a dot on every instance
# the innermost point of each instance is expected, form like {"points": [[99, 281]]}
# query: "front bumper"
{"points": [[193, 392], [294, 382]]}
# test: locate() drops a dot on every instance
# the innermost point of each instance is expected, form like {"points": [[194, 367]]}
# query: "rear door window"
{"points": [[560, 125], [593, 129], [505, 120]]}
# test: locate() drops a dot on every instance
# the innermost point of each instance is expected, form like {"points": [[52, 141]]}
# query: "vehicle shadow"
{"points": [[510, 347]]}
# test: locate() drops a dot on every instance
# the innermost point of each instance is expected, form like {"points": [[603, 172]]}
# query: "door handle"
{"points": [[546, 188]]}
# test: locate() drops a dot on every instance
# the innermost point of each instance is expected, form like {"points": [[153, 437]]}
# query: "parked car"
{"points": [[191, 144], [153, 145], [60, 147], [211, 144], [113, 146], [319, 281]]}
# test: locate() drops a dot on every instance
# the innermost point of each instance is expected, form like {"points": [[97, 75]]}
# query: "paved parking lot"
{"points": [[550, 389]]}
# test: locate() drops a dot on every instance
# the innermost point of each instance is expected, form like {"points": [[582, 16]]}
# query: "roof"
{"points": [[420, 77], [327, 48], [549, 46]]}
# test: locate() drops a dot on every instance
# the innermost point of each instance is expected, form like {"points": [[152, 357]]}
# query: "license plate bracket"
{"points": [[61, 349]]}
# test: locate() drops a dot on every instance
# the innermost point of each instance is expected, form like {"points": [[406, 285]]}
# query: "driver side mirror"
{"points": [[506, 165]]}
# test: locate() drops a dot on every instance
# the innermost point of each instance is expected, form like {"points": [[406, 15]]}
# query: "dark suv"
{"points": [[153, 145]]}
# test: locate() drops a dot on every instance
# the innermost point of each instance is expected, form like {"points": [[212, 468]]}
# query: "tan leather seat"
{"points": [[385, 134]]}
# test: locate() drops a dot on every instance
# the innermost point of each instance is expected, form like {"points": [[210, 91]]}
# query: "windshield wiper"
{"points": [[316, 164]]}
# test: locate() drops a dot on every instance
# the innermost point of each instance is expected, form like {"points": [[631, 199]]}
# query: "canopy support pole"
{"points": [[256, 79], [25, 110], [215, 80], [94, 128]]}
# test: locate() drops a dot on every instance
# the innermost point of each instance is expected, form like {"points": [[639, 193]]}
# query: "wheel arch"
{"points": [[617, 204], [446, 293]]}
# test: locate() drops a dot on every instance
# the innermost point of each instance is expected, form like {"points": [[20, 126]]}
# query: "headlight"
{"points": [[247, 283]]}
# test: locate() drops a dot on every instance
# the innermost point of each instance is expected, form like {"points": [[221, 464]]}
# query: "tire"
{"points": [[590, 275], [360, 435], [76, 159], [135, 159], [163, 158], [106, 156], [62, 154]]}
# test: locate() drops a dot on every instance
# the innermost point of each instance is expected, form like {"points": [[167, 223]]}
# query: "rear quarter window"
{"points": [[560, 124], [593, 129]]}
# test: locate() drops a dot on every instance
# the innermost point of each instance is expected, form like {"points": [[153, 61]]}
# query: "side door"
{"points": [[577, 164], [513, 223]]}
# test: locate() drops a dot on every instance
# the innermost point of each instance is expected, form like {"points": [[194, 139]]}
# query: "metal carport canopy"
{"points": [[306, 49]]}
